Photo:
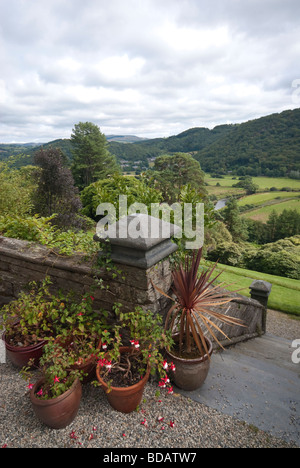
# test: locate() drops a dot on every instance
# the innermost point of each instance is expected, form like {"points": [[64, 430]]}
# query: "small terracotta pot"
{"points": [[59, 412], [124, 399], [20, 355], [190, 374]]}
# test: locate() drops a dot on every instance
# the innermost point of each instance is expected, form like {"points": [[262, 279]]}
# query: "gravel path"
{"points": [[97, 425], [283, 325]]}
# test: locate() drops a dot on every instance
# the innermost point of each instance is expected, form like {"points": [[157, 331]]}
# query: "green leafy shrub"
{"points": [[41, 230], [279, 258], [108, 191], [16, 189]]}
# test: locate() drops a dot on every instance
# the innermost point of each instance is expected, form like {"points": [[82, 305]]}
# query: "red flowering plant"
{"points": [[34, 316], [147, 339], [82, 330], [56, 372], [38, 314]]}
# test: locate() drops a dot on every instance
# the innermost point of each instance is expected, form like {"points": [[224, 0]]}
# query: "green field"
{"points": [[264, 201], [285, 294], [269, 182], [267, 197], [262, 214], [264, 183], [225, 192]]}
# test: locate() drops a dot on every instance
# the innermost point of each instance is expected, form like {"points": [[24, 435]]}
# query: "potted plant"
{"points": [[29, 321], [83, 350], [195, 304], [56, 395], [123, 371], [38, 316], [81, 334]]}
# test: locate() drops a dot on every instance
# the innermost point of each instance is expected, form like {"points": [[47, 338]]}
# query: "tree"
{"points": [[288, 224], [247, 184], [16, 189], [285, 224], [272, 225], [171, 173], [55, 191], [257, 231], [91, 159], [234, 222]]}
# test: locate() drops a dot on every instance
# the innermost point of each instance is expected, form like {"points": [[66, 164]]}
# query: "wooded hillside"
{"points": [[268, 146]]}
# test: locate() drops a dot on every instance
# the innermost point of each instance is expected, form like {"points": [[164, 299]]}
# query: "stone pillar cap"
{"points": [[262, 286], [140, 231], [140, 240]]}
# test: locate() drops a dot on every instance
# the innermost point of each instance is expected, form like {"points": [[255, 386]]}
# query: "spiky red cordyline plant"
{"points": [[194, 295]]}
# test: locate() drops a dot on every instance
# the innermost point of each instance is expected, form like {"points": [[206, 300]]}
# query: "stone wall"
{"points": [[252, 314], [22, 262]]}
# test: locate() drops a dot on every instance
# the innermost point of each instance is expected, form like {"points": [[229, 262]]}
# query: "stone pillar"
{"points": [[260, 291], [140, 245], [140, 240]]}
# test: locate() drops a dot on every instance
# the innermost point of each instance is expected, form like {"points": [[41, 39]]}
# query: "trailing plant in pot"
{"points": [[38, 316], [197, 301], [81, 334], [123, 371], [56, 394], [29, 321]]}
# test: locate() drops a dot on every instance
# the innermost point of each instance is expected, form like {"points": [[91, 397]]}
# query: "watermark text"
{"points": [[145, 222], [296, 353]]}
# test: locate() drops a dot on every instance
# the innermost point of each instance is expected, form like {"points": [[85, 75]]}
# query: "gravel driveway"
{"points": [[98, 425]]}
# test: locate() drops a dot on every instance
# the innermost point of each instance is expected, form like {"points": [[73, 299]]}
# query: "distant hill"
{"points": [[189, 141], [12, 149], [268, 146], [28, 149], [124, 138]]}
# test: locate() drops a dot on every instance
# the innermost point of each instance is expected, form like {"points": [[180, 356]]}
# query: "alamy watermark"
{"points": [[2, 352], [296, 353], [187, 217], [296, 91]]}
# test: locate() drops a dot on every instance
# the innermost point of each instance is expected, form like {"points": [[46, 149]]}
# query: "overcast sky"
{"points": [[144, 67]]}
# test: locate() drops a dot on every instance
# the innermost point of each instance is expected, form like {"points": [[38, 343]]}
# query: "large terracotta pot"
{"points": [[124, 399], [20, 355], [59, 412], [190, 374]]}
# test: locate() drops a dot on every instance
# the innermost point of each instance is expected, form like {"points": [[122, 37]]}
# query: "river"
{"points": [[221, 204]]}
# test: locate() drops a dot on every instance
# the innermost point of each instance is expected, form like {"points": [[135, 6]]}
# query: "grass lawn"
{"points": [[285, 294]]}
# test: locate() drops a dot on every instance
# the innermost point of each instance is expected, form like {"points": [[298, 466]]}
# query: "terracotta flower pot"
{"points": [[88, 367], [124, 399], [190, 374], [59, 412], [88, 370], [20, 355]]}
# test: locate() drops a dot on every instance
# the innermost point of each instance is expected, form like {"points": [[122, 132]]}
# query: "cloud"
{"points": [[148, 68]]}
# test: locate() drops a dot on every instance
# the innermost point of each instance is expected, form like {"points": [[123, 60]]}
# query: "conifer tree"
{"points": [[91, 158], [55, 193]]}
